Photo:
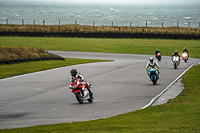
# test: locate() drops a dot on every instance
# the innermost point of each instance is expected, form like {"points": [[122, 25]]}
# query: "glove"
{"points": [[70, 87]]}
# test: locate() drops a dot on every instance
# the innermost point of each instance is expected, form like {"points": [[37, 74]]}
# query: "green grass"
{"points": [[180, 115], [34, 66], [129, 46]]}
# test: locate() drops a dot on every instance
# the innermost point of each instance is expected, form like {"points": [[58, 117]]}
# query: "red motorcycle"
{"points": [[79, 88], [158, 56]]}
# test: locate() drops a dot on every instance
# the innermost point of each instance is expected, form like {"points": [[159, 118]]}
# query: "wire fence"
{"points": [[94, 31], [112, 23]]}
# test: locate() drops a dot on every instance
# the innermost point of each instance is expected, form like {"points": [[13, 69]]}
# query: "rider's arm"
{"points": [[157, 65], [147, 65], [80, 76], [71, 78]]}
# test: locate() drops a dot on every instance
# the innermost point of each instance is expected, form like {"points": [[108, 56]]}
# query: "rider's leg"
{"points": [[87, 85], [148, 74], [158, 75]]}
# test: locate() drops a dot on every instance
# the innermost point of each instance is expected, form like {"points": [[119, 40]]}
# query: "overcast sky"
{"points": [[123, 1]]}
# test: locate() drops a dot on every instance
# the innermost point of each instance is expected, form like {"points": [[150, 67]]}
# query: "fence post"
{"points": [[75, 22], [43, 22], [188, 24], [59, 22], [22, 22], [162, 24], [177, 24], [93, 23], [130, 23], [7, 22], [112, 23], [34, 22], [199, 24], [146, 23]]}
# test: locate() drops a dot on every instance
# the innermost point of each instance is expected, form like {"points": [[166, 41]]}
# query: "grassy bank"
{"points": [[180, 115], [129, 46], [11, 54], [92, 29]]}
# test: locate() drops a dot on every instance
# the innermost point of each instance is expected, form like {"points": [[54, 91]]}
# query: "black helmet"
{"points": [[156, 49], [176, 51], [73, 72]]}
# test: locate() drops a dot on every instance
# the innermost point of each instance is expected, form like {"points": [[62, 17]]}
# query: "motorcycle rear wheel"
{"points": [[91, 99], [159, 58]]}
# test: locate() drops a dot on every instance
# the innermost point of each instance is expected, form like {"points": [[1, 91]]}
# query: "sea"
{"points": [[136, 15]]}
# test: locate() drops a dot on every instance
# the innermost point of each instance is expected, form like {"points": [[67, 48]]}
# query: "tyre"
{"points": [[175, 66], [79, 97], [154, 82], [185, 60], [159, 58], [91, 99]]}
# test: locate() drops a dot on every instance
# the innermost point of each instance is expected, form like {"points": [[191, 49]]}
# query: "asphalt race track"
{"points": [[119, 87]]}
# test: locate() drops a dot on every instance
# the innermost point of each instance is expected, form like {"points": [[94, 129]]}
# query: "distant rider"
{"points": [[152, 63], [176, 54], [157, 51], [75, 74], [185, 50]]}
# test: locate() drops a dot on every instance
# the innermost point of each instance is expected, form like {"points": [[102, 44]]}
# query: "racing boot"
{"points": [[91, 94], [88, 86]]}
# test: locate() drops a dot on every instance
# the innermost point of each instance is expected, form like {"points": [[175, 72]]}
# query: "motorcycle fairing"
{"points": [[153, 73]]}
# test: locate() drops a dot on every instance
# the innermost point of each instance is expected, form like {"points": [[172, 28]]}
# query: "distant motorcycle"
{"points": [[80, 91], [175, 61], [153, 72], [185, 56], [158, 56]]}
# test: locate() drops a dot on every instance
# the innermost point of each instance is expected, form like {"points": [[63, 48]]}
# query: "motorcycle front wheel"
{"points": [[185, 60], [175, 66], [154, 82], [79, 97]]}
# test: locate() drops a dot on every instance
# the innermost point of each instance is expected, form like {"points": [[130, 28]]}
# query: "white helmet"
{"points": [[151, 60]]}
